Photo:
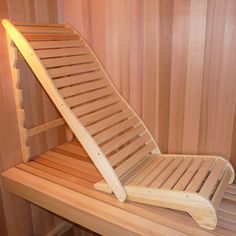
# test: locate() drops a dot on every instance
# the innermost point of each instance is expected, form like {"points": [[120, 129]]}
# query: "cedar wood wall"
{"points": [[173, 60]]}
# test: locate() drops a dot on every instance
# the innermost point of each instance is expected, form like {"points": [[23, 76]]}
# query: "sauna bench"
{"points": [[61, 180]]}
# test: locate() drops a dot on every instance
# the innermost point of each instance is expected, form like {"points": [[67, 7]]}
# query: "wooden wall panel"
{"points": [[22, 218], [179, 74]]}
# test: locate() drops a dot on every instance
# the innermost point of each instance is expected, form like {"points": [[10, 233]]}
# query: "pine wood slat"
{"points": [[135, 177], [54, 53], [149, 166], [19, 23], [134, 159], [122, 139], [129, 149], [200, 175], [101, 114], [46, 37], [166, 174], [187, 176], [172, 180], [95, 105], [212, 179], [90, 96], [73, 69], [67, 61], [57, 44], [116, 129], [82, 88], [76, 79], [107, 122], [218, 194], [161, 166], [44, 30]]}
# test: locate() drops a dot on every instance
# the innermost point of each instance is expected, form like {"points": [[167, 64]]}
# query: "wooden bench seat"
{"points": [[61, 180], [114, 136]]}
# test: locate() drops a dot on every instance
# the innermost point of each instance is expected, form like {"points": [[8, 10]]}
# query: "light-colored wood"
{"points": [[77, 89], [172, 180], [116, 129], [107, 122], [129, 159], [91, 147], [43, 37], [45, 127], [216, 198], [76, 79], [15, 74], [129, 149], [66, 61], [200, 176], [56, 44], [51, 53], [96, 105], [43, 30], [74, 69], [186, 178], [212, 179]]}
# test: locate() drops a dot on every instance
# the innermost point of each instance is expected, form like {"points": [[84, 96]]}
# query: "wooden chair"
{"points": [[116, 139]]}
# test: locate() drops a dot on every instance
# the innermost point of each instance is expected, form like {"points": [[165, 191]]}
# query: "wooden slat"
{"points": [[43, 30], [134, 159], [66, 61], [81, 88], [95, 105], [67, 160], [43, 160], [129, 149], [76, 79], [101, 114], [122, 139], [46, 37], [156, 172], [56, 173], [51, 53], [186, 178], [18, 23], [73, 69], [212, 179], [57, 44], [200, 175], [73, 148], [71, 162], [116, 129], [90, 96], [218, 194], [172, 180], [107, 122], [166, 174], [152, 165], [45, 127]]}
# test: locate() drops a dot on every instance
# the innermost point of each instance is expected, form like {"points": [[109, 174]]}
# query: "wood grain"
{"points": [[181, 74]]}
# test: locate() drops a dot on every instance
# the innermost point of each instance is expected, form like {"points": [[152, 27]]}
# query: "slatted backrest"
{"points": [[113, 135]]}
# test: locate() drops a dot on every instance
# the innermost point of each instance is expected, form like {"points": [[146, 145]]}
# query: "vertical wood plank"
{"points": [[178, 75], [211, 74], [166, 24], [194, 77], [150, 63]]}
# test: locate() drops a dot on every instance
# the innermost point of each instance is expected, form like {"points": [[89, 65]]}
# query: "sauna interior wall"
{"points": [[174, 62], [18, 217]]}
